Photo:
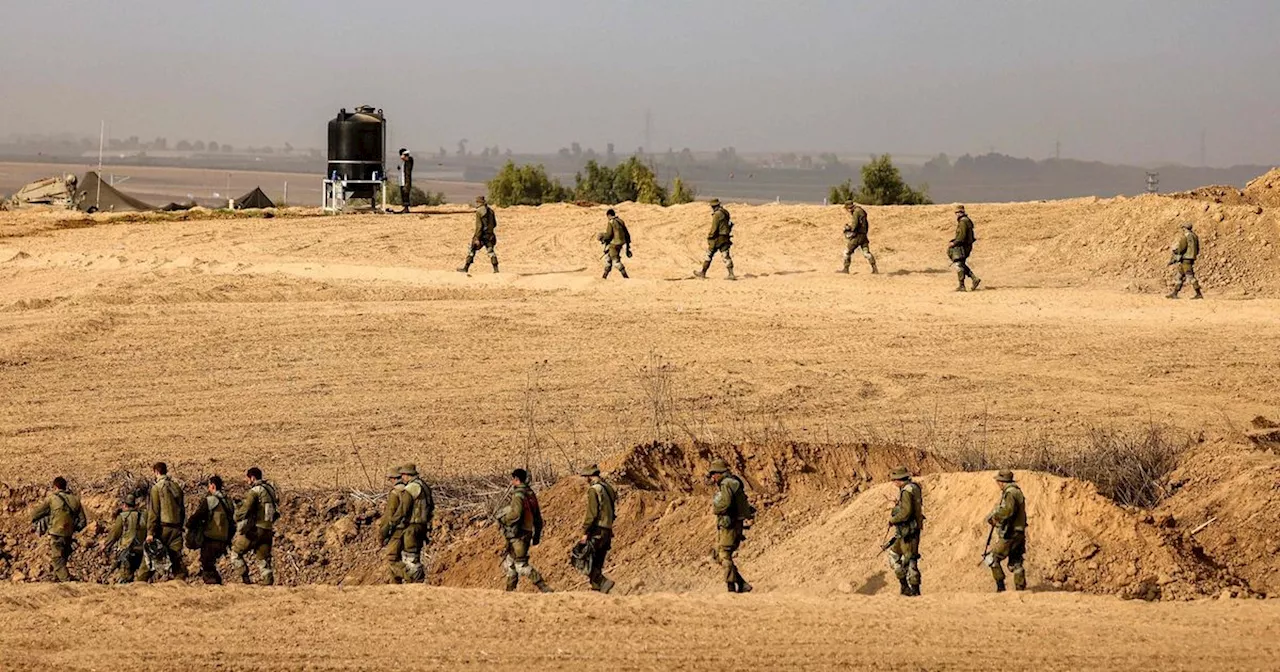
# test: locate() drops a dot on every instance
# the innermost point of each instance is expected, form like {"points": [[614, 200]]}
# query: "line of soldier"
{"points": [[150, 540]]}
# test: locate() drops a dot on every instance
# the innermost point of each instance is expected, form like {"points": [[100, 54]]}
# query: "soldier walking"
{"points": [[733, 515], [907, 520], [615, 238], [166, 513], [719, 239], [255, 527], [1186, 247], [421, 508], [521, 521], [210, 528], [60, 516], [1009, 519], [961, 247], [391, 529], [406, 180], [856, 232], [597, 525], [485, 236], [126, 537]]}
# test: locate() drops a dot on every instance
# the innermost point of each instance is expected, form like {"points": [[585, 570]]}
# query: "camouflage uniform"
{"points": [[214, 517], [1010, 521], [719, 239], [1186, 247], [420, 508], [615, 239], [391, 530], [597, 526], [485, 236], [60, 516], [521, 521], [856, 233], [907, 519], [732, 510], [255, 531], [166, 511], [961, 247], [127, 535]]}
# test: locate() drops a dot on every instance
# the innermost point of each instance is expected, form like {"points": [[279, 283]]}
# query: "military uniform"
{"points": [[1186, 247], [719, 239], [907, 519], [406, 180], [521, 521], [597, 526], [60, 516], [127, 535], [421, 508], [485, 236], [615, 239], [166, 512], [732, 511], [214, 519], [391, 529], [255, 531], [856, 233], [1010, 522], [961, 247]]}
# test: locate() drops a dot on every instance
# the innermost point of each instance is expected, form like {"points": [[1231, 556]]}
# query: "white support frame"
{"points": [[333, 198]]}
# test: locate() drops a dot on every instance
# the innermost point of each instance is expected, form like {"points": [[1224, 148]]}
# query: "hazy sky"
{"points": [[1114, 80]]}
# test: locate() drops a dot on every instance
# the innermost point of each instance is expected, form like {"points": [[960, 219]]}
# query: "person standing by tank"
{"points": [[406, 180]]}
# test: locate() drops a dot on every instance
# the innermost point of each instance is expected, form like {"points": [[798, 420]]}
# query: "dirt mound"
{"points": [[1217, 193], [1264, 190]]}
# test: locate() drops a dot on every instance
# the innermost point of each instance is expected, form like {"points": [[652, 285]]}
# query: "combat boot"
{"points": [[1198, 295], [465, 267], [976, 282], [999, 586], [743, 586], [495, 265], [605, 275], [915, 590], [703, 273], [731, 275], [732, 586], [606, 585], [874, 270], [623, 271], [903, 588], [543, 587], [512, 583], [845, 270]]}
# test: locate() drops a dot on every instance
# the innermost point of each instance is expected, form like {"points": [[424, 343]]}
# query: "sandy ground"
{"points": [[168, 627]]}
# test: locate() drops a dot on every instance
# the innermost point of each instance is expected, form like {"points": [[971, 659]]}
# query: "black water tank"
{"points": [[357, 143]]}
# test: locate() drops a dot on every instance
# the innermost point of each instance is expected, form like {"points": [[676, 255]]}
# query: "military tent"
{"points": [[254, 199], [178, 207], [93, 195]]}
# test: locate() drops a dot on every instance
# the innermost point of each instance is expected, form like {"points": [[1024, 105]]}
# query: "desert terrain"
{"points": [[326, 349]]}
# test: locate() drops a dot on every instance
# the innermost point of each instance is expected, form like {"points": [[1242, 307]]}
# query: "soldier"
{"points": [[521, 521], [907, 519], [1010, 519], [614, 238], [126, 537], [856, 233], [1186, 247], [391, 530], [961, 247], [166, 512], [597, 525], [406, 180], [734, 514], [255, 527], [484, 236], [60, 516], [719, 239], [421, 508], [211, 527]]}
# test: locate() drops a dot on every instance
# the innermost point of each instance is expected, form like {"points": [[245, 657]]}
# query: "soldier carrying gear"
{"points": [[406, 180], [166, 513], [1010, 519], [127, 536], [420, 508], [907, 519], [855, 232], [255, 527], [60, 516], [521, 521], [615, 238], [485, 236], [1186, 247], [391, 529], [597, 526], [719, 239], [210, 528], [961, 247], [734, 514]]}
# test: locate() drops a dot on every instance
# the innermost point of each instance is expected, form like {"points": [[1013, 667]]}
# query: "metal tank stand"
{"points": [[334, 195]]}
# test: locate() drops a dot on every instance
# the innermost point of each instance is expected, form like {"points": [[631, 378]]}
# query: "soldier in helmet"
{"points": [[961, 247], [734, 514], [907, 520], [256, 517], [719, 239], [420, 508], [615, 238], [855, 232], [485, 236], [1186, 247], [391, 528], [597, 525], [521, 521], [406, 179], [60, 516], [127, 535], [1009, 519]]}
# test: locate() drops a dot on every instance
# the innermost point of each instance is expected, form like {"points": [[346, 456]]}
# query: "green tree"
{"points": [[631, 180], [681, 192], [841, 193], [882, 185], [525, 185]]}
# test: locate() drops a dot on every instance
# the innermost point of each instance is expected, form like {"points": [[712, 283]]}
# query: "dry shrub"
{"points": [[1130, 468]]}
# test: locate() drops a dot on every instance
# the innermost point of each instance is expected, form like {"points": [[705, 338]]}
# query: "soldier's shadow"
{"points": [[874, 584]]}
